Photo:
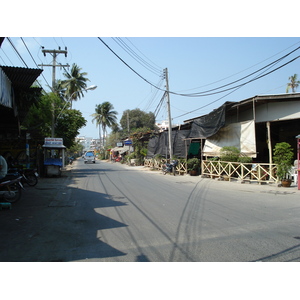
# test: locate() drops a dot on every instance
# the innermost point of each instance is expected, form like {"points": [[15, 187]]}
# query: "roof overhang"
{"points": [[21, 78], [24, 96]]}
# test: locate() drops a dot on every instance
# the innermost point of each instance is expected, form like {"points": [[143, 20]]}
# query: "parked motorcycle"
{"points": [[29, 176], [11, 188], [170, 168]]}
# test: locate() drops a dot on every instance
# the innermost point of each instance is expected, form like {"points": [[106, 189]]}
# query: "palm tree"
{"points": [[293, 84], [105, 117], [75, 83]]}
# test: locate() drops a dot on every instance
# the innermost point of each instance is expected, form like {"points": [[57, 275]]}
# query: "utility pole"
{"points": [[169, 114], [54, 65], [128, 123]]}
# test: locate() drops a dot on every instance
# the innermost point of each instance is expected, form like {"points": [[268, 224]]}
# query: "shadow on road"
{"points": [[33, 231]]}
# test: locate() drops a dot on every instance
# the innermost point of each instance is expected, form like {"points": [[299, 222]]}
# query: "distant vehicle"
{"points": [[89, 157]]}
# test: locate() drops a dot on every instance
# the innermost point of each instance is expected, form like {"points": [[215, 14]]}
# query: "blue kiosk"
{"points": [[54, 156]]}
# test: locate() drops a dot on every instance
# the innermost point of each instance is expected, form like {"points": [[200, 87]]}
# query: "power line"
{"points": [[19, 55], [201, 94], [222, 91], [6, 56], [238, 87], [242, 70], [128, 65], [34, 62], [28, 51], [136, 57], [267, 66], [148, 105], [159, 68]]}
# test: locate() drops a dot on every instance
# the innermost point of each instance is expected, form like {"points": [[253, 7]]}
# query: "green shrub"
{"points": [[283, 156], [229, 153], [193, 164], [245, 159]]}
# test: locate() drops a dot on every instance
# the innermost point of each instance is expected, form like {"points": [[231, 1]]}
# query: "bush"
{"points": [[283, 155], [245, 159], [229, 153], [193, 164]]}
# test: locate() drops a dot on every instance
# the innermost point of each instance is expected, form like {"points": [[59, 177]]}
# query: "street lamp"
{"points": [[90, 88]]}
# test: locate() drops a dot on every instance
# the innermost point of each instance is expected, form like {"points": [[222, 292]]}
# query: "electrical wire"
{"points": [[267, 66], [242, 70], [201, 94], [6, 57], [34, 62], [222, 91], [19, 55], [220, 97], [154, 95], [158, 67], [128, 65], [136, 57], [157, 109]]}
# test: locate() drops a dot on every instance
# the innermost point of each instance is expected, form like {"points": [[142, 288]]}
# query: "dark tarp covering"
{"points": [[201, 128], [179, 143], [158, 145], [209, 124]]}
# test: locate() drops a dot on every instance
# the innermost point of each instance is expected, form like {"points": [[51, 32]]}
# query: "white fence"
{"points": [[259, 172], [157, 164]]}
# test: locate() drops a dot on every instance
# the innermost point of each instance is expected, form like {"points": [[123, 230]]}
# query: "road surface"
{"points": [[127, 214], [108, 212]]}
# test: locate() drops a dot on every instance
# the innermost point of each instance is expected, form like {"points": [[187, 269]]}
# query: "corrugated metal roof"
{"points": [[21, 77]]}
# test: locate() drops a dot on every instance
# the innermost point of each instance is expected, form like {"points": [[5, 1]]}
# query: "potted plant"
{"points": [[193, 166], [283, 156]]}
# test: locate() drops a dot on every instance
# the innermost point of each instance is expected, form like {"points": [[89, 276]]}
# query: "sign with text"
{"points": [[53, 141], [128, 142]]}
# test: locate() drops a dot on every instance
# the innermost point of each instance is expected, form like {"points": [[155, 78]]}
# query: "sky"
{"points": [[129, 77], [203, 46]]}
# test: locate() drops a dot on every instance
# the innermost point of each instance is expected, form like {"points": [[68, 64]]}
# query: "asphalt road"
{"points": [[109, 212]]}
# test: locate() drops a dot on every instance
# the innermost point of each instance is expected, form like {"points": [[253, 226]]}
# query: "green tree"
{"points": [[105, 117], [76, 150], [39, 119], [75, 83], [68, 125], [293, 84], [137, 119]]}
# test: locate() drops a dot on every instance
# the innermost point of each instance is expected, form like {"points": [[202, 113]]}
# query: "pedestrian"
{"points": [[3, 167]]}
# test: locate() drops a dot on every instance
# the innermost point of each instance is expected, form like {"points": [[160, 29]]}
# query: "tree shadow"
{"points": [[33, 231]]}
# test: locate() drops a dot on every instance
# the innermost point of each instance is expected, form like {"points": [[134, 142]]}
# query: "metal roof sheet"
{"points": [[21, 77]]}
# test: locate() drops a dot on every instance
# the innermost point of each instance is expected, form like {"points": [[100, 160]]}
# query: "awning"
{"points": [[240, 135], [122, 150]]}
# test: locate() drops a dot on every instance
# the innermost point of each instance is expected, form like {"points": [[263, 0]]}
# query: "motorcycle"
{"points": [[11, 188], [170, 168], [29, 176]]}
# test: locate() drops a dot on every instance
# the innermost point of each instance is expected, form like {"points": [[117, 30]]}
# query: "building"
{"points": [[253, 125]]}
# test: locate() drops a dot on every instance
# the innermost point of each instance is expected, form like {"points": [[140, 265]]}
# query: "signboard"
{"points": [[119, 144], [128, 142], [53, 141]]}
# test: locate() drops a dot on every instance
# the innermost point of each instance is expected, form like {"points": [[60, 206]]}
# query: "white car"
{"points": [[89, 157]]}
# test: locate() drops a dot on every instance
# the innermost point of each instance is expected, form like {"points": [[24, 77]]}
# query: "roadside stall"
{"points": [[54, 156]]}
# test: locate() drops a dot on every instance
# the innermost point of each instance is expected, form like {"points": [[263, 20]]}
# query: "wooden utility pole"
{"points": [[169, 114], [54, 65]]}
